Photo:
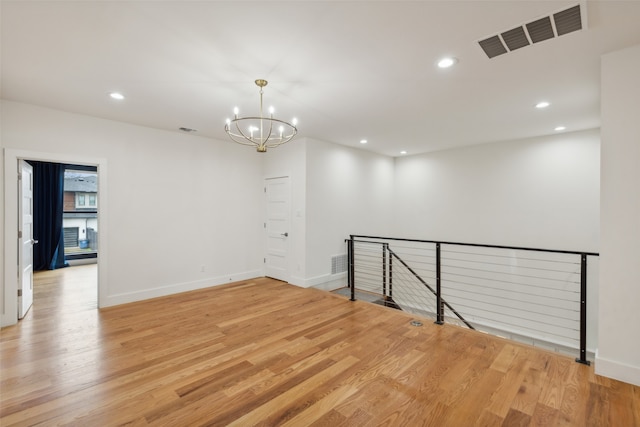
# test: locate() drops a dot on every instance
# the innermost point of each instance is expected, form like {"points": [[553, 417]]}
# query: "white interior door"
{"points": [[25, 238], [277, 226]]}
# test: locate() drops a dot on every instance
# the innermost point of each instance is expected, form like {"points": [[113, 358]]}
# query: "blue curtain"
{"points": [[48, 204]]}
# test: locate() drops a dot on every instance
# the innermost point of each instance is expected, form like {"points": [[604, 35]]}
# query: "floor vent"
{"points": [[545, 28], [339, 263]]}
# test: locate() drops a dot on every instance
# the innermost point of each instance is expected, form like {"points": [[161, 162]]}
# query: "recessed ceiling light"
{"points": [[403, 152], [116, 95], [363, 141], [559, 128], [543, 104], [447, 62]]}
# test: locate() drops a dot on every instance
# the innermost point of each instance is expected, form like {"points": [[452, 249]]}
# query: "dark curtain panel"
{"points": [[48, 202]]}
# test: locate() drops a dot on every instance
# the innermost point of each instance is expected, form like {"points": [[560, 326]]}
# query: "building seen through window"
{"points": [[80, 218]]}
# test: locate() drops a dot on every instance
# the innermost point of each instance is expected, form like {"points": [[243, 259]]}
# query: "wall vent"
{"points": [[339, 263], [545, 28]]}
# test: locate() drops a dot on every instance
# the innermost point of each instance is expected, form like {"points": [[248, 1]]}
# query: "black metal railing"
{"points": [[530, 294]]}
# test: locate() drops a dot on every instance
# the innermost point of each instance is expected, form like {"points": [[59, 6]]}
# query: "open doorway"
{"points": [[9, 315], [66, 227]]}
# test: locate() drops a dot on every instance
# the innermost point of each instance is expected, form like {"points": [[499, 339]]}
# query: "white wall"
{"points": [[619, 350], [157, 181], [2, 260], [348, 192], [540, 192], [290, 160]]}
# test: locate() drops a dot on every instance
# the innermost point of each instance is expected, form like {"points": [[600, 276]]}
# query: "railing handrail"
{"points": [[480, 245]]}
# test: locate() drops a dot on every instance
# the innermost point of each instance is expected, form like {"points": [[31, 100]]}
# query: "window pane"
{"points": [[80, 218]]}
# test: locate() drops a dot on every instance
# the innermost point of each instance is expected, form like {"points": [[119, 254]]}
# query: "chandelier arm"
{"points": [[240, 139], [241, 142], [265, 140], [276, 144], [249, 138], [236, 122], [285, 138]]}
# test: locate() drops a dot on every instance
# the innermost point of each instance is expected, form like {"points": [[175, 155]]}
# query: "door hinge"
{"points": [[265, 189], [19, 292], [265, 225], [264, 260], [19, 177], [19, 234]]}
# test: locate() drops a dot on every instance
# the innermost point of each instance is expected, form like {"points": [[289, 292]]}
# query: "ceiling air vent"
{"points": [[515, 39], [540, 30], [568, 20], [545, 28], [492, 46]]}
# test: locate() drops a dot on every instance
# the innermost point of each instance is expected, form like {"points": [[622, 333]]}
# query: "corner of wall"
{"points": [[2, 266], [616, 370]]}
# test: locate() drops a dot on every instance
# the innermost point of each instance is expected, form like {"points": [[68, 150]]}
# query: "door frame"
{"points": [[25, 299], [10, 289], [265, 234]]}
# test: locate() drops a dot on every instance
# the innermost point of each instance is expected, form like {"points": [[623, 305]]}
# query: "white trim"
{"points": [[617, 370], [176, 288], [11, 157], [318, 280]]}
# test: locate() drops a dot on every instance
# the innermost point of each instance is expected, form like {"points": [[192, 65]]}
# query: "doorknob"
{"points": [[285, 234], [35, 241]]}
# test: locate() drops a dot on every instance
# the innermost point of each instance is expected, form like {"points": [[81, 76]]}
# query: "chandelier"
{"points": [[260, 132]]}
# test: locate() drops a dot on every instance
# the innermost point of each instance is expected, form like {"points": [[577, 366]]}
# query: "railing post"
{"points": [[583, 311], [439, 305], [390, 277], [352, 281], [384, 269]]}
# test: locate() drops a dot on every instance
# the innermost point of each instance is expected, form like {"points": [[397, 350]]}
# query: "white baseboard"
{"points": [[320, 280], [617, 370], [162, 291]]}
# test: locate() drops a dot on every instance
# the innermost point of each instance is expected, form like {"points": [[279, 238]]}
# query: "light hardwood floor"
{"points": [[262, 352]]}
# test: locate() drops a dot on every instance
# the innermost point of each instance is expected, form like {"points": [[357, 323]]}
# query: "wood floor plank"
{"points": [[263, 352], [516, 418]]}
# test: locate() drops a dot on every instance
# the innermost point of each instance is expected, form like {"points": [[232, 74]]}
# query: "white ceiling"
{"points": [[347, 70]]}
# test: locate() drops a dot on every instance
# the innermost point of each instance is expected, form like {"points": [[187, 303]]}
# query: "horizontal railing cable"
{"points": [[549, 298]]}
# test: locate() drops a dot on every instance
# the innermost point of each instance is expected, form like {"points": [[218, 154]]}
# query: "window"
{"points": [[80, 218], [86, 200]]}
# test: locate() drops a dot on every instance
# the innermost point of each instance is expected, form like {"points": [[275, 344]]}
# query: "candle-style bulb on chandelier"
{"points": [[260, 132]]}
